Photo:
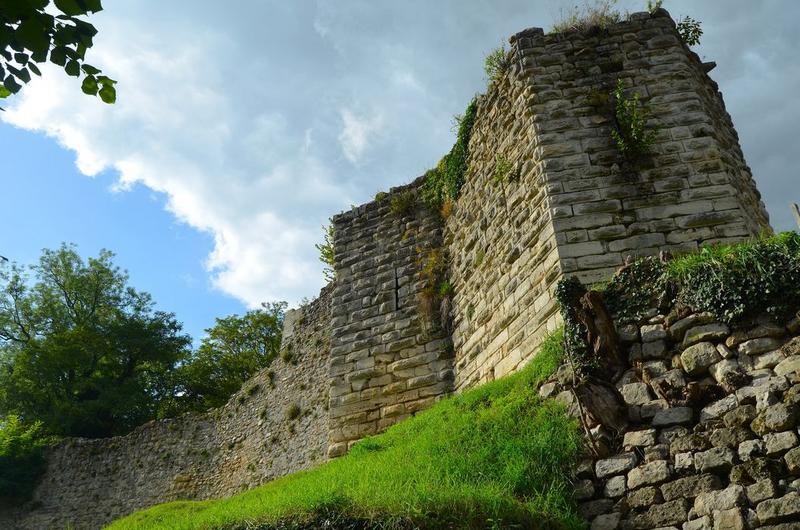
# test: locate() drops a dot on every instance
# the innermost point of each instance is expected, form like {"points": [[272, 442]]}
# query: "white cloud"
{"points": [[259, 125], [357, 134]]}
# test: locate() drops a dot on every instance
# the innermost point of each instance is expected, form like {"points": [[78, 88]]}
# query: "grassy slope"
{"points": [[492, 457]]}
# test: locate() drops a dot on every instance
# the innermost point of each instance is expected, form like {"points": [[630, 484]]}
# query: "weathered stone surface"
{"points": [[690, 487], [731, 497], [758, 346], [788, 366], [750, 449], [717, 459], [740, 416], [690, 443], [636, 393], [673, 416], [649, 474], [761, 490], [697, 358], [615, 487], [641, 438], [684, 463], [703, 523], [729, 519], [778, 417], [779, 442], [786, 508], [615, 465], [756, 470], [718, 408], [715, 331], [730, 437], [666, 514], [653, 332], [643, 497], [792, 459]]}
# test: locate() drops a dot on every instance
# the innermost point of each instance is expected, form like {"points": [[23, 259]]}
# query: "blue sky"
{"points": [[235, 137]]}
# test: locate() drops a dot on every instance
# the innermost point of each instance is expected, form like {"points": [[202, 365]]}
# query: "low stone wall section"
{"points": [[389, 356], [712, 440], [275, 425]]}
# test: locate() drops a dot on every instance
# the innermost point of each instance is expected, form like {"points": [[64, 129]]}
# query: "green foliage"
{"points": [[736, 282], [568, 292], [654, 5], [495, 455], [636, 288], [82, 351], [496, 64], [327, 255], [33, 31], [503, 170], [690, 30], [598, 14], [630, 134], [445, 180], [21, 457], [293, 411], [231, 353], [402, 203]]}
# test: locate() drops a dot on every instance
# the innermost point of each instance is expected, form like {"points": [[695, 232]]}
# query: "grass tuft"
{"points": [[493, 457]]}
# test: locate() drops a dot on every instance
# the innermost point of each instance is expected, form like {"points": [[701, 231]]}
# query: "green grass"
{"points": [[493, 457]]}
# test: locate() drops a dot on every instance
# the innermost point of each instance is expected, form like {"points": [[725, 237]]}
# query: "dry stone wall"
{"points": [[390, 356], [254, 438], [713, 423]]}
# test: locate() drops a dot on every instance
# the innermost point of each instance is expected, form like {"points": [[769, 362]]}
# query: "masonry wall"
{"points": [[501, 242], [713, 415], [389, 358], [247, 442], [693, 188]]}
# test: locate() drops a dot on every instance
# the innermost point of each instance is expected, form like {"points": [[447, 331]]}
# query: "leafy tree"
{"points": [[33, 31], [83, 352], [21, 457], [232, 352]]}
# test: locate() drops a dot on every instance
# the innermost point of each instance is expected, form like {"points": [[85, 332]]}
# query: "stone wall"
{"points": [[571, 204], [693, 188], [389, 353], [713, 421], [254, 438], [501, 244]]}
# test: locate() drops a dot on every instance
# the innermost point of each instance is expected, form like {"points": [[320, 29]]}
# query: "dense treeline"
{"points": [[83, 353]]}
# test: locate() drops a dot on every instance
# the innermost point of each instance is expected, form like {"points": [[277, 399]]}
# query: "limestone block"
{"points": [[649, 474], [730, 497], [615, 465], [786, 508], [698, 357], [715, 331], [673, 416], [713, 460]]}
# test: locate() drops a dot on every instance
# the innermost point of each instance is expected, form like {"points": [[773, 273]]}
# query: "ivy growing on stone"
{"points": [[739, 282], [446, 179]]}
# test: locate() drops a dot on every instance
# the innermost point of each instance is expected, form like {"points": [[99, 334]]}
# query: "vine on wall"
{"points": [[446, 179]]}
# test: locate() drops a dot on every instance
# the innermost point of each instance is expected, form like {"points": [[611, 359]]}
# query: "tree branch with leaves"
{"points": [[34, 31]]}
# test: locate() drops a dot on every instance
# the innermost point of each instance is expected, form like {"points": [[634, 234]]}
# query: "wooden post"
{"points": [[796, 210]]}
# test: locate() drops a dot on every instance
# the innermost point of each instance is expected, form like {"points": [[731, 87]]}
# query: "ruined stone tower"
{"points": [[575, 207], [425, 304]]}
